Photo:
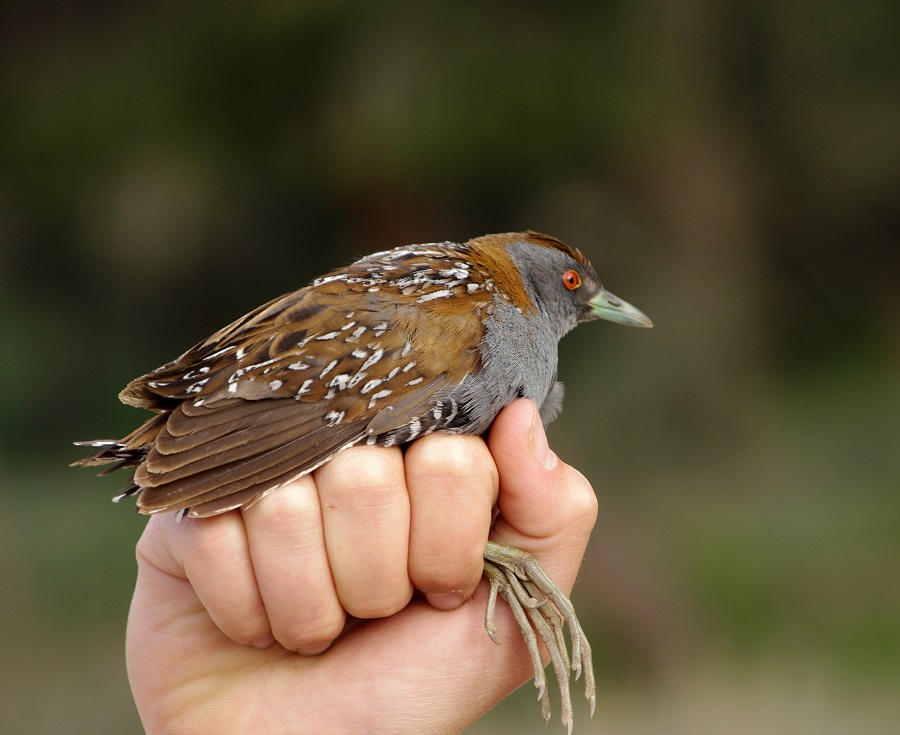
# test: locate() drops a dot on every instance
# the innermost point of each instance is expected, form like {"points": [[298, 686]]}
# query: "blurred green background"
{"points": [[731, 168]]}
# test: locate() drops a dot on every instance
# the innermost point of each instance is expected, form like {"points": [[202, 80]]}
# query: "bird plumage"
{"points": [[387, 349], [399, 344]]}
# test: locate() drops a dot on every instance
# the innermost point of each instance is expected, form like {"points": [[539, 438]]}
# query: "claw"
{"points": [[491, 605], [518, 578]]}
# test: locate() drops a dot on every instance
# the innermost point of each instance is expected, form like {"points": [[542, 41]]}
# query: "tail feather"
{"points": [[132, 489], [112, 451], [127, 452]]}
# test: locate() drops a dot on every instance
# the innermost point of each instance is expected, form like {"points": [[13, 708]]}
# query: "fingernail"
{"points": [[264, 642], [537, 439], [445, 601], [313, 649]]}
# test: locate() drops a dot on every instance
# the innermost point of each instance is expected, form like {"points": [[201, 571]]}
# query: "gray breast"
{"points": [[519, 357]]}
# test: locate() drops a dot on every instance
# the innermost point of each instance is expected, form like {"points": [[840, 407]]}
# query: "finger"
{"points": [[546, 506], [212, 554], [365, 513], [452, 484], [287, 546]]}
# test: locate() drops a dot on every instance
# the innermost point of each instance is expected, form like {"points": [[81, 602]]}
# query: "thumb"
{"points": [[546, 507]]}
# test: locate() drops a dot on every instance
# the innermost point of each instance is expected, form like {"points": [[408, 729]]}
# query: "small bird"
{"points": [[399, 344]]}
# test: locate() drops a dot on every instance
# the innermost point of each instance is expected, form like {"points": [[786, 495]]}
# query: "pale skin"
{"points": [[228, 612]]}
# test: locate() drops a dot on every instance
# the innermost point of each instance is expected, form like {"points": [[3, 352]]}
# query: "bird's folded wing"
{"points": [[278, 393]]}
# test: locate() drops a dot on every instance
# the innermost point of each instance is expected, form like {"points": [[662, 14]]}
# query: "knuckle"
{"points": [[247, 629], [365, 469], [583, 504], [210, 539], [310, 634], [288, 504], [449, 457], [147, 548], [440, 574], [378, 606]]}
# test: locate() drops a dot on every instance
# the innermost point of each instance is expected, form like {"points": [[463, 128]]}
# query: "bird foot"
{"points": [[517, 577]]}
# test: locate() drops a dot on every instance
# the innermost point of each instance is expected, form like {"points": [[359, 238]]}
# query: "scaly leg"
{"points": [[531, 594]]}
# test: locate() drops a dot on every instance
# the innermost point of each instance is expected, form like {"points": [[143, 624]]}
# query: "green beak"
{"points": [[606, 306]]}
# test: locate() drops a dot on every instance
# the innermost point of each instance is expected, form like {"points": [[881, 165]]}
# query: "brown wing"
{"points": [[282, 390], [265, 451]]}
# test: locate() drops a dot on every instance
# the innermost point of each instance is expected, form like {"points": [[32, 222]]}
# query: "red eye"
{"points": [[572, 280]]}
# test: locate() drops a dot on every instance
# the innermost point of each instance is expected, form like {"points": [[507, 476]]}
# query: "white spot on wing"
{"points": [[415, 426], [329, 279], [334, 417], [454, 409], [218, 353], [375, 357], [198, 386], [442, 294], [339, 381], [244, 370]]}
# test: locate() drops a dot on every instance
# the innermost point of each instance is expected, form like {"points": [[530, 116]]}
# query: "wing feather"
{"points": [[295, 457], [281, 390], [176, 457]]}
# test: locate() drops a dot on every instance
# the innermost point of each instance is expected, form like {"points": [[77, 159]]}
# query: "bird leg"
{"points": [[538, 605]]}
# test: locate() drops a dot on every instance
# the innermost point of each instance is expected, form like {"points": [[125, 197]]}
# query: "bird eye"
{"points": [[572, 280]]}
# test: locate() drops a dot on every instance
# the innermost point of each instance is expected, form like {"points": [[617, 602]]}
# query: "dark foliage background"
{"points": [[731, 168]]}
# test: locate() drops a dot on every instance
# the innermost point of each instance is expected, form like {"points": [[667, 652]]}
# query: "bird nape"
{"points": [[399, 344]]}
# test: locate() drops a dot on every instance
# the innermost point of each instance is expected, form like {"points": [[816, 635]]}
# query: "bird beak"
{"points": [[606, 306]]}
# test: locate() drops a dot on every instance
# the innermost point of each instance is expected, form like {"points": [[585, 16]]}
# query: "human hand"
{"points": [[222, 604]]}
